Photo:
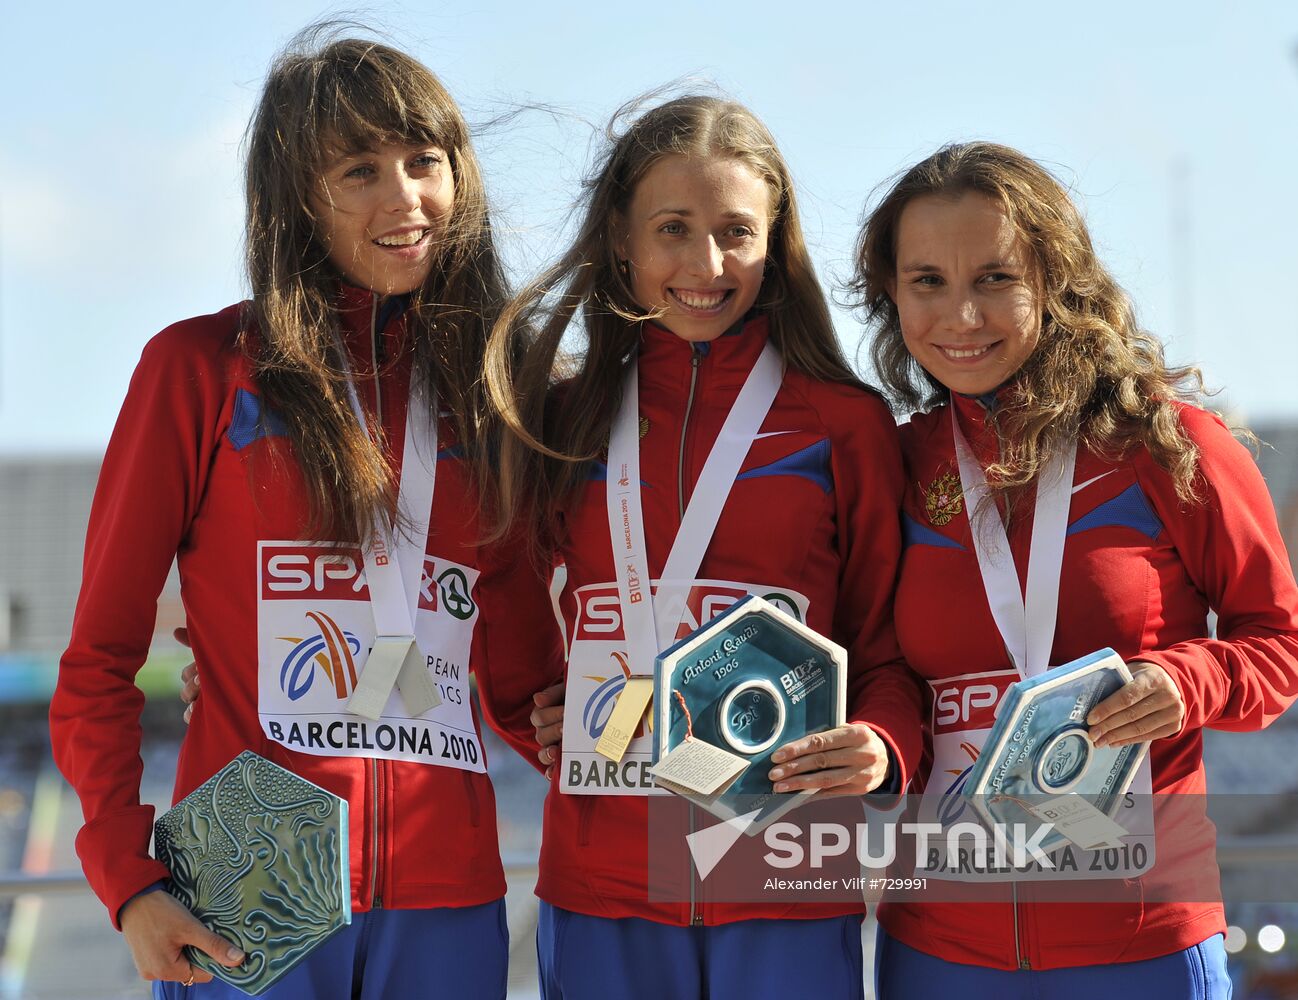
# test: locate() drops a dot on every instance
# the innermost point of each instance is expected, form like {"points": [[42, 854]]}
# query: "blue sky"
{"points": [[1175, 122]]}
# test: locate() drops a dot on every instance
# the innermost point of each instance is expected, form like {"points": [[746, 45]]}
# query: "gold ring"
{"points": [[190, 980]]}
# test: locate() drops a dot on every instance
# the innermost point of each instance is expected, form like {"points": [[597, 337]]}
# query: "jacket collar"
{"points": [[358, 315], [665, 357], [974, 412], [977, 408]]}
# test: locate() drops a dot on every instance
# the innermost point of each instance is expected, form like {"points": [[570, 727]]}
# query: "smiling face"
{"points": [[965, 291], [382, 213], [695, 238]]}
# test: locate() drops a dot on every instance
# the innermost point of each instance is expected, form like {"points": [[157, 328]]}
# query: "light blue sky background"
{"points": [[120, 205]]}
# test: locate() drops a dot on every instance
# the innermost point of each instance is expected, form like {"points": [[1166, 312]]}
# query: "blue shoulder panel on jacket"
{"points": [[250, 422], [914, 533], [1129, 509], [812, 462]]}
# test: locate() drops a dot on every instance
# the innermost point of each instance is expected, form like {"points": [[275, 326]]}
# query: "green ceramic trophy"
{"points": [[259, 855]]}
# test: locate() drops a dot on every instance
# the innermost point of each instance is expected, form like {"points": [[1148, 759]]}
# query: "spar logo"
{"points": [[293, 571], [331, 651], [599, 612], [330, 572], [599, 706]]}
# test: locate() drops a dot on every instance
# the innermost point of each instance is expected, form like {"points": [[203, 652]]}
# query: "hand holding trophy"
{"points": [[851, 759]]}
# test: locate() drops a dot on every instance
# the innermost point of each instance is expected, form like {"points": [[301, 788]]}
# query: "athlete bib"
{"points": [[315, 628]]}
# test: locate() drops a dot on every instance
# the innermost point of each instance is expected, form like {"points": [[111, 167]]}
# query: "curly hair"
{"points": [[1094, 375]]}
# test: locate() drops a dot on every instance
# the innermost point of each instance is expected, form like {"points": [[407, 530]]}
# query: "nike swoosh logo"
{"points": [[1081, 486], [771, 434]]}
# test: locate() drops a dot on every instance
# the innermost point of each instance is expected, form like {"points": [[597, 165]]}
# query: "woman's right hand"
{"points": [[188, 676], [547, 717], [157, 927]]}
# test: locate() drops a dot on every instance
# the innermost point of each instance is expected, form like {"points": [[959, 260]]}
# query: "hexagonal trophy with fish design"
{"points": [[260, 856]]}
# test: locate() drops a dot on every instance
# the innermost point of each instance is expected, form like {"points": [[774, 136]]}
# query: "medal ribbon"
{"points": [[648, 623], [1026, 626], [394, 569]]}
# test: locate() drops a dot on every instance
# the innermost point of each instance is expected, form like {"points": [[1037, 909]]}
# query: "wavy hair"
{"points": [[550, 438], [1094, 375], [323, 94]]}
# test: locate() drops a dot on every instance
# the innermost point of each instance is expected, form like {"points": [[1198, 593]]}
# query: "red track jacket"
{"points": [[190, 473], [1141, 571], [813, 510]]}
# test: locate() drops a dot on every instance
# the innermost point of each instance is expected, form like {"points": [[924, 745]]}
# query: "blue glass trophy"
{"points": [[259, 855], [733, 692], [1039, 749]]}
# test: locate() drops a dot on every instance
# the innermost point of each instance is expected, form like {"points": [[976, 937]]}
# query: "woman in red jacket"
{"points": [[693, 282], [270, 448], [1042, 403]]}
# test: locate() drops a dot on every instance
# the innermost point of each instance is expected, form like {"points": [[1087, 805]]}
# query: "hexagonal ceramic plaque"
{"points": [[259, 855]]}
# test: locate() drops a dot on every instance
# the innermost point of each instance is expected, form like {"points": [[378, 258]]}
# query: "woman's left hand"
{"points": [[1148, 708], [849, 760], [188, 676]]}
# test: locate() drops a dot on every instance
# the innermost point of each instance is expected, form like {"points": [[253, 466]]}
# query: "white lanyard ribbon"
{"points": [[1026, 626], [394, 569], [648, 625]]}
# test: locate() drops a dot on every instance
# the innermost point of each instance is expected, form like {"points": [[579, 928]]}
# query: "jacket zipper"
{"points": [[376, 901], [1022, 961], [696, 359]]}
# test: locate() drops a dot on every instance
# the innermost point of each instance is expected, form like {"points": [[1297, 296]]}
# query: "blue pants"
{"points": [[1197, 973], [599, 958], [454, 953]]}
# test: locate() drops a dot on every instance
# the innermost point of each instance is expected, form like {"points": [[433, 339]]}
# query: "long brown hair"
{"points": [[1094, 375], [325, 93], [543, 459]]}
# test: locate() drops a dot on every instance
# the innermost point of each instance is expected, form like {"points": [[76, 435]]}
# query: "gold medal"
{"points": [[944, 499], [624, 723]]}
